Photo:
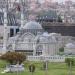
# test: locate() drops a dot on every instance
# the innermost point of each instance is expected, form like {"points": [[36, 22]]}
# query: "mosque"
{"points": [[32, 39]]}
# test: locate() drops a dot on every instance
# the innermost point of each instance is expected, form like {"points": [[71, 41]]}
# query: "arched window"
{"points": [[39, 50], [38, 41]]}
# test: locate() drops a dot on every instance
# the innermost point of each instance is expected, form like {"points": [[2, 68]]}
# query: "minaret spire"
{"points": [[5, 31], [22, 17]]}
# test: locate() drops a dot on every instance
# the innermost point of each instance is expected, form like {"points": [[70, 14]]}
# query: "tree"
{"points": [[70, 62], [32, 68], [61, 51], [59, 19], [13, 57]]}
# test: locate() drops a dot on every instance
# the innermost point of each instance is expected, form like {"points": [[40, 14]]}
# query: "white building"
{"points": [[31, 38], [34, 41]]}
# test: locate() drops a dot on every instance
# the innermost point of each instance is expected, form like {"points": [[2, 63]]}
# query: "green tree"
{"points": [[13, 57], [59, 19], [70, 62], [61, 50], [32, 68]]}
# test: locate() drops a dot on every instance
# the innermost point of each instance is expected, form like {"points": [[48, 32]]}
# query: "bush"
{"points": [[31, 68], [70, 60], [61, 49], [13, 57]]}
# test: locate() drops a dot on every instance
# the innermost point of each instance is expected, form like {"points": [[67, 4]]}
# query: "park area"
{"points": [[53, 69]]}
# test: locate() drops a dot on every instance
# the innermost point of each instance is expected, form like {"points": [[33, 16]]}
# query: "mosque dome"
{"points": [[70, 45], [33, 25]]}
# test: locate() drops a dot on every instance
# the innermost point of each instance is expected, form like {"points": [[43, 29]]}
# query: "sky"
{"points": [[41, 1], [62, 0]]}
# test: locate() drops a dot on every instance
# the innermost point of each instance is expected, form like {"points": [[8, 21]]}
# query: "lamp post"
{"points": [[70, 73], [46, 67], [45, 64]]}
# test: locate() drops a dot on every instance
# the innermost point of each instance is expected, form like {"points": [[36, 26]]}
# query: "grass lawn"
{"points": [[53, 69]]}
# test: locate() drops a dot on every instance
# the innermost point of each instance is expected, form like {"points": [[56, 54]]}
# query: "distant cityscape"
{"points": [[33, 8]]}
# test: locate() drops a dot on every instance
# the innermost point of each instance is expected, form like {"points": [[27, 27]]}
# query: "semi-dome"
{"points": [[54, 34], [33, 25], [46, 34], [43, 39], [70, 45]]}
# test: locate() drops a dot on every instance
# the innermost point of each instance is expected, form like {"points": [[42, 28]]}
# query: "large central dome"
{"points": [[33, 25]]}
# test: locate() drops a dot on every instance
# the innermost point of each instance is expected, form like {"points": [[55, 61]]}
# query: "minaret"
{"points": [[5, 32], [22, 17]]}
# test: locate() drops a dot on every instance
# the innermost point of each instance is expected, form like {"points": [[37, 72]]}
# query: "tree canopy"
{"points": [[13, 57]]}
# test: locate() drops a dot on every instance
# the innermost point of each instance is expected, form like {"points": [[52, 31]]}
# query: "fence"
{"points": [[48, 58]]}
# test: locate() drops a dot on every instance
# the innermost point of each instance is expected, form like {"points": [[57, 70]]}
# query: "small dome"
{"points": [[33, 25], [45, 34], [43, 39], [70, 45], [54, 34], [51, 39]]}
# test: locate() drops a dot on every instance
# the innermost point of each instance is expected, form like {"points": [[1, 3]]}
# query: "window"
{"points": [[11, 32], [17, 30]]}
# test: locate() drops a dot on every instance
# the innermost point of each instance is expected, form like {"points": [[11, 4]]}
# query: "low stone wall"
{"points": [[46, 58]]}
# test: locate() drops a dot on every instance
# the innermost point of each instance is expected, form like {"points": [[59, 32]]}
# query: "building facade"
{"points": [[31, 38]]}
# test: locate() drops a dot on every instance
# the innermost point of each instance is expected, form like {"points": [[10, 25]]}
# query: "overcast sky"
{"points": [[41, 1], [63, 0]]}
